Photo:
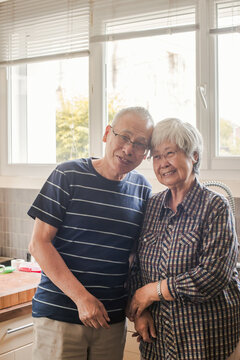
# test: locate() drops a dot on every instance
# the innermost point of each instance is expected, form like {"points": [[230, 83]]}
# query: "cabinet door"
{"points": [[23, 353], [8, 356], [15, 334]]}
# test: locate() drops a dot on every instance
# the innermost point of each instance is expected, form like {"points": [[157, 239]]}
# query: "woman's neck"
{"points": [[177, 194]]}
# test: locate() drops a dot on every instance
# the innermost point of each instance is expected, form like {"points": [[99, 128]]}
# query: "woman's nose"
{"points": [[163, 162]]}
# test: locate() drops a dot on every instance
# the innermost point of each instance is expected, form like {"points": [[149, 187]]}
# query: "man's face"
{"points": [[121, 156]]}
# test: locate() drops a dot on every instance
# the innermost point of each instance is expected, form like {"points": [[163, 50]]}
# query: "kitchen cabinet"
{"points": [[131, 351], [19, 354], [16, 324], [16, 336]]}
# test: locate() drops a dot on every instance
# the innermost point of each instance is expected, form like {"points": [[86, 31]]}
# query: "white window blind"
{"points": [[33, 30], [116, 20], [226, 15]]}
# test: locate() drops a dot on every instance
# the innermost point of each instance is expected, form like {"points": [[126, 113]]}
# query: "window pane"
{"points": [[48, 111], [157, 72], [228, 100]]}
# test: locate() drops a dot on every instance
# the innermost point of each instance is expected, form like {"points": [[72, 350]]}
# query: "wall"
{"points": [[16, 226]]}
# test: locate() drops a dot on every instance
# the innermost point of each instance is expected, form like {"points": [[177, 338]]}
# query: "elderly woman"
{"points": [[187, 302]]}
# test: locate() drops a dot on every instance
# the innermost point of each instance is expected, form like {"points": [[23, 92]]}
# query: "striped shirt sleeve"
{"points": [[51, 203]]}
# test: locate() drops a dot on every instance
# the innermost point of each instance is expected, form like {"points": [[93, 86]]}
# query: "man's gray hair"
{"points": [[137, 110], [186, 137]]}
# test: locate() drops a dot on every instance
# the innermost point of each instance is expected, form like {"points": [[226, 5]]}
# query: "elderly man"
{"points": [[87, 219]]}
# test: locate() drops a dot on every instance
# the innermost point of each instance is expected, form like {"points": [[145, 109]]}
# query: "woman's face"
{"points": [[172, 167]]}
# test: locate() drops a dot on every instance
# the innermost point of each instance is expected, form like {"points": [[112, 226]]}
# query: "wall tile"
{"points": [[15, 225]]}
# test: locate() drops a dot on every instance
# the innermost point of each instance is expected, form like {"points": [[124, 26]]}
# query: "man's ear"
{"points": [[108, 128]]}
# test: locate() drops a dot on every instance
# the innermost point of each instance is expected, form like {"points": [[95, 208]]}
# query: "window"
{"points": [[48, 111], [228, 59], [157, 72], [178, 58], [228, 88], [44, 55]]}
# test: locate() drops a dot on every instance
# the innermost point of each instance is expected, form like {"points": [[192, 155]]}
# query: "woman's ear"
{"points": [[195, 157], [108, 128]]}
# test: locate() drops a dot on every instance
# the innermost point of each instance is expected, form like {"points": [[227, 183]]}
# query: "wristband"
{"points": [[160, 295]]}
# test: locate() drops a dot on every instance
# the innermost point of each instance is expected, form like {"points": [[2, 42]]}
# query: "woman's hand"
{"points": [[144, 326], [142, 298]]}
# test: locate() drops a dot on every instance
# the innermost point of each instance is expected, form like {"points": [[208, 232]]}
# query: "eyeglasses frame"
{"points": [[128, 141]]}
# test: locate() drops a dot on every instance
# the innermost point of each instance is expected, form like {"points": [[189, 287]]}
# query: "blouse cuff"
{"points": [[172, 287]]}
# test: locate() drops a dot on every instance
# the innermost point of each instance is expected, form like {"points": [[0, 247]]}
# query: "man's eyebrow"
{"points": [[127, 132]]}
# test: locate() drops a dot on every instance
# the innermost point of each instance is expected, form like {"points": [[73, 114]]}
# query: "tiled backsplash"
{"points": [[16, 226]]}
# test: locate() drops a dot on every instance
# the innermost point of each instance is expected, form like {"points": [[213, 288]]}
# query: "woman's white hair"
{"points": [[183, 134]]}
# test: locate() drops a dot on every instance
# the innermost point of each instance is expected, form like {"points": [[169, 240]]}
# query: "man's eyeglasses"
{"points": [[168, 155], [138, 147]]}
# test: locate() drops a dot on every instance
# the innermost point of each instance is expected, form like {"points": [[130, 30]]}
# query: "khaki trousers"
{"points": [[56, 340]]}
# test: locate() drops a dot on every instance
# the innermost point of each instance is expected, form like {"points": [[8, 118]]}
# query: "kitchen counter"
{"points": [[16, 292], [13, 312]]}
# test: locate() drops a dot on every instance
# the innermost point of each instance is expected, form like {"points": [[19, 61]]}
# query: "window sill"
{"points": [[20, 182]]}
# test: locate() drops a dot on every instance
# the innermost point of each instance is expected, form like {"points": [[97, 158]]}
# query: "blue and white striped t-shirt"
{"points": [[98, 221]]}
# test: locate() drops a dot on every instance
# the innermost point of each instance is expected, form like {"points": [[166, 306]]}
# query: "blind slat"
{"points": [[116, 20], [226, 15], [38, 29], [33, 28], [46, 58], [137, 34], [226, 30]]}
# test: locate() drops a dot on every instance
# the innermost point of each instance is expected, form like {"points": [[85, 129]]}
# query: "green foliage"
{"points": [[229, 141], [72, 128], [114, 105]]}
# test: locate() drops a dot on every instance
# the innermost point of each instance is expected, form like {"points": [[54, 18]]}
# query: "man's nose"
{"points": [[128, 148]]}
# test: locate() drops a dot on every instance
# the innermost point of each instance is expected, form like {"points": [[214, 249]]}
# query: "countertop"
{"points": [[16, 291], [18, 281]]}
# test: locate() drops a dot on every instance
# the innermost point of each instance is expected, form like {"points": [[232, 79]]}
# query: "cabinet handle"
{"points": [[10, 331]]}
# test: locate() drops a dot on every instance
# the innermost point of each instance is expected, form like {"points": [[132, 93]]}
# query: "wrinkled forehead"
{"points": [[164, 147], [133, 125], [163, 143]]}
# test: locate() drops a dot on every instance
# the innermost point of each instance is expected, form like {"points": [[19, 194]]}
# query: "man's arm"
{"points": [[91, 311]]}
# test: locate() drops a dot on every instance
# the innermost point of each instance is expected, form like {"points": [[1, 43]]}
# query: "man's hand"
{"points": [[142, 298], [144, 326], [92, 312]]}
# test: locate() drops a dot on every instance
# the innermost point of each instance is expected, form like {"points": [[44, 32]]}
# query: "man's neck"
{"points": [[101, 167]]}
